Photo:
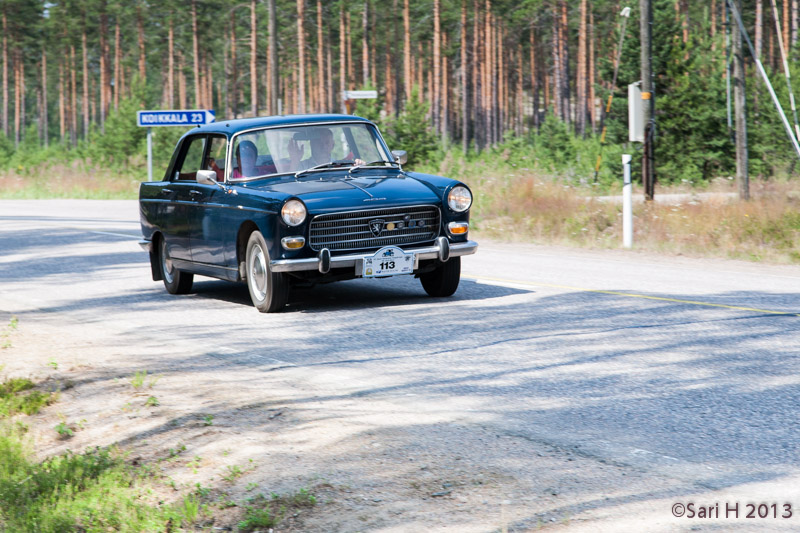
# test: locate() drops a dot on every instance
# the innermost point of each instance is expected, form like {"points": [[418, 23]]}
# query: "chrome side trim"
{"points": [[357, 260], [146, 245]]}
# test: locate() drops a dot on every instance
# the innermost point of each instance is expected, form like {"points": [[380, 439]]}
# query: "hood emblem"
{"points": [[376, 226]]}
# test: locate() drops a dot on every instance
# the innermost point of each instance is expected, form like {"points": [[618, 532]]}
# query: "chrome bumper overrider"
{"points": [[442, 250]]}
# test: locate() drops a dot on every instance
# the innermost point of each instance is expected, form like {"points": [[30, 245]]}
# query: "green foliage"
{"points": [[268, 512], [411, 131], [369, 108], [93, 491], [17, 396]]}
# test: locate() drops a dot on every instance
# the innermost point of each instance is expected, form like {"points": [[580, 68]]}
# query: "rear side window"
{"points": [[192, 160]]}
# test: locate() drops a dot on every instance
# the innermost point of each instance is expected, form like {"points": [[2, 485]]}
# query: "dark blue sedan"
{"points": [[276, 201]]}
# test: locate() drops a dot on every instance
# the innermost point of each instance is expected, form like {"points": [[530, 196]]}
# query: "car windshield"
{"points": [[301, 148]]}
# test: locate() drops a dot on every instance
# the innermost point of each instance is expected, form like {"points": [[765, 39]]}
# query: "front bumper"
{"points": [[442, 250]]}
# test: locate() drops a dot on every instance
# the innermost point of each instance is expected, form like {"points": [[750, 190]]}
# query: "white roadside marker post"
{"points": [[149, 154], [627, 203]]}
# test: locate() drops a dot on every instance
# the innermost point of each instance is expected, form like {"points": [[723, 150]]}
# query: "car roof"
{"points": [[231, 127]]}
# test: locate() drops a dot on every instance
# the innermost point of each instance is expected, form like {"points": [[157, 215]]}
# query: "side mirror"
{"points": [[206, 177], [401, 156]]}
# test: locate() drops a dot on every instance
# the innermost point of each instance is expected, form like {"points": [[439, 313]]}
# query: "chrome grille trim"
{"points": [[350, 230]]}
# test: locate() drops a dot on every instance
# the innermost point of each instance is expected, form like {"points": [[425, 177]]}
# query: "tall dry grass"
{"points": [[711, 222], [76, 180]]}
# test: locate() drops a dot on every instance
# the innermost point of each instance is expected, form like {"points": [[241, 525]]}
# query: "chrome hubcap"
{"points": [[258, 272], [166, 263]]}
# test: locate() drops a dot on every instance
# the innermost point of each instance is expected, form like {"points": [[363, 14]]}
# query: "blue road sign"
{"points": [[174, 117]]}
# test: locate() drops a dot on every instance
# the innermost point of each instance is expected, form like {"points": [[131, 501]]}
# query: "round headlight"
{"points": [[293, 212], [459, 198]]}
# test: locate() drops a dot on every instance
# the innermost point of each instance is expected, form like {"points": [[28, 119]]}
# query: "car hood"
{"points": [[324, 191]]}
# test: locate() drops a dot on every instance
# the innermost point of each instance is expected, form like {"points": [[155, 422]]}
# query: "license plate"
{"points": [[388, 261]]}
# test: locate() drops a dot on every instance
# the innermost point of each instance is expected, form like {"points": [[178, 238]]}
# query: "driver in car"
{"points": [[321, 141]]}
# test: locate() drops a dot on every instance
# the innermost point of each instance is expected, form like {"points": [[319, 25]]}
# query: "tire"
{"points": [[269, 290], [176, 281], [444, 280]]}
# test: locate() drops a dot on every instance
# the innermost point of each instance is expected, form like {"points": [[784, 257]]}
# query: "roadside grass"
{"points": [[76, 180], [544, 210], [92, 491], [263, 512], [99, 490]]}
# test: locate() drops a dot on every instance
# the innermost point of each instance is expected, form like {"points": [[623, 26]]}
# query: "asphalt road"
{"points": [[680, 367]]}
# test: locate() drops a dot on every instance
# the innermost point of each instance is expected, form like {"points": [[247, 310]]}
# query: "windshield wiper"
{"points": [[332, 164], [379, 161]]}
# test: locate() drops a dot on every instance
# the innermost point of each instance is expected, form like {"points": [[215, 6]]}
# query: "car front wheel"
{"points": [[443, 281], [176, 281], [268, 290]]}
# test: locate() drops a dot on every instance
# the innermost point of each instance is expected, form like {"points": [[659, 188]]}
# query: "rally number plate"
{"points": [[388, 261]]}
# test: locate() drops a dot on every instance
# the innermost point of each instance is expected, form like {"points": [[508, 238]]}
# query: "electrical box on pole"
{"points": [[636, 119]]}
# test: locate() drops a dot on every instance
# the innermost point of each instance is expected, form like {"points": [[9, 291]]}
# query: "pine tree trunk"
{"points": [[759, 33], [592, 97], [464, 80], [408, 79], [43, 115], [556, 62], [320, 60], [196, 59], [73, 107], [564, 43], [350, 66], [477, 78], [17, 94], [301, 57], [85, 101], [104, 100], [742, 177], [182, 101], [437, 74], [580, 123], [488, 78], [253, 58], [373, 66], [170, 64], [234, 68], [5, 73], [519, 93], [785, 23], [329, 68], [62, 125], [117, 64], [140, 33], [273, 58], [365, 45], [342, 56], [445, 94]]}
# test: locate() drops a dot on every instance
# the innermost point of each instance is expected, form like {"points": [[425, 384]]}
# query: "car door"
{"points": [[184, 186], [208, 211]]}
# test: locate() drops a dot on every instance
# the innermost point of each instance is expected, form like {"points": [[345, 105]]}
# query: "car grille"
{"points": [[351, 230]]}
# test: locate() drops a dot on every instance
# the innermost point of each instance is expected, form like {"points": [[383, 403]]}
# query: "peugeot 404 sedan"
{"points": [[279, 201]]}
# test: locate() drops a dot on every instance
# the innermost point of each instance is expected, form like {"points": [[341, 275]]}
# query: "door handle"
{"points": [[193, 193], [166, 191]]}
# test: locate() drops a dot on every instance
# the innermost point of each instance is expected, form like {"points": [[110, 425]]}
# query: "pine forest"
{"points": [[475, 76]]}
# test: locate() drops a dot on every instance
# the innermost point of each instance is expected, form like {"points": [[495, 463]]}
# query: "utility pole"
{"points": [[739, 105], [648, 102]]}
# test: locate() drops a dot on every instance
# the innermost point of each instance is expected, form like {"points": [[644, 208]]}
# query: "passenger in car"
{"points": [[247, 157]]}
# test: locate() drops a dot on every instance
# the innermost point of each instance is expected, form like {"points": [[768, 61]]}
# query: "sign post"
{"points": [[167, 117]]}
